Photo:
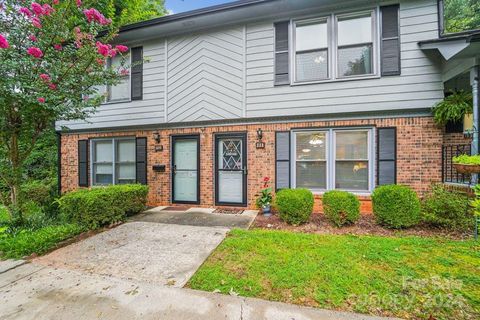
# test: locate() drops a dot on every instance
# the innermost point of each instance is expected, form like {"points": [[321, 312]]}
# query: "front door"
{"points": [[231, 169], [185, 165]]}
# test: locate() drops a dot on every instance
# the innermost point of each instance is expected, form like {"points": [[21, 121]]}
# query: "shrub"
{"points": [[295, 206], [39, 241], [445, 208], [103, 205], [466, 159], [396, 206], [341, 207]]}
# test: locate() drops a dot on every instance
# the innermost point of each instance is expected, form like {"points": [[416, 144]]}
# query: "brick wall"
{"points": [[419, 144]]}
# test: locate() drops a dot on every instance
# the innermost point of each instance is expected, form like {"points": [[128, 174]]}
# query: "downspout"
{"points": [[474, 75], [59, 163]]}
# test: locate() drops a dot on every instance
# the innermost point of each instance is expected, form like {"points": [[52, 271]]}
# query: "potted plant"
{"points": [[264, 199], [467, 164], [454, 107]]}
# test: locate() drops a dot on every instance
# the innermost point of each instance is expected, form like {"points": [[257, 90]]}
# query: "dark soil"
{"points": [[366, 225]]}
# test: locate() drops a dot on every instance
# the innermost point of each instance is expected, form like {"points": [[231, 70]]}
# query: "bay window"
{"points": [[113, 161], [333, 159], [335, 47]]}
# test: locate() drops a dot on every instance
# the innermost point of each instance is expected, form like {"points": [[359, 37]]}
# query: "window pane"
{"points": [[351, 145], [310, 145], [351, 175], [312, 65], [103, 151], [120, 91], [311, 36], [125, 151], [103, 173], [355, 60], [355, 30], [126, 173], [311, 175]]}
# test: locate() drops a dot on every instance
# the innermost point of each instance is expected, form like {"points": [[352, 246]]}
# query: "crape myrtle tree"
{"points": [[53, 56]]}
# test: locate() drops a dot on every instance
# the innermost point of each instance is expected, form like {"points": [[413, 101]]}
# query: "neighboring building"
{"points": [[322, 94]]}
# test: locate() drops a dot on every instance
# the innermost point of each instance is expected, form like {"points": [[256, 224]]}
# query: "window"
{"points": [[120, 91], [335, 47], [333, 159], [311, 58], [113, 161]]}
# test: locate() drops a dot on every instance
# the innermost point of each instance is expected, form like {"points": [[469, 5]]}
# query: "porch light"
{"points": [[259, 134], [156, 136]]}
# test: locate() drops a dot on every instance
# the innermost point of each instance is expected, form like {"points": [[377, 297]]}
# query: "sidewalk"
{"points": [[33, 291]]}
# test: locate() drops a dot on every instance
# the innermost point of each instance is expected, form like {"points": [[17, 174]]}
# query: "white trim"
{"points": [[108, 87], [330, 157], [165, 104], [244, 72]]}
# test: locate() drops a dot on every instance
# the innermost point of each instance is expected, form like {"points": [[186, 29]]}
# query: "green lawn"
{"points": [[408, 277]]}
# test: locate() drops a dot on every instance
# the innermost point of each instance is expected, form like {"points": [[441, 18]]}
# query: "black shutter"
{"points": [[83, 163], [137, 73], [281, 53], [141, 160], [282, 160], [386, 156], [390, 40]]}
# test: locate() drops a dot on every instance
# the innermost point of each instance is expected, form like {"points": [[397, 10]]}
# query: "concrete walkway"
{"points": [[198, 217], [33, 291]]}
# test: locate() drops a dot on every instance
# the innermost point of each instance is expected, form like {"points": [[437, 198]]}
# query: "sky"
{"points": [[177, 6]]}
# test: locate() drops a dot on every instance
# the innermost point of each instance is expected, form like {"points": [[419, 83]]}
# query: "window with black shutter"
{"points": [[282, 159], [386, 156], [137, 73], [390, 48], [282, 67], [83, 163]]}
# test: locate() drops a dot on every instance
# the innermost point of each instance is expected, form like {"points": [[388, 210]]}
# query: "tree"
{"points": [[461, 15], [129, 11], [53, 59]]}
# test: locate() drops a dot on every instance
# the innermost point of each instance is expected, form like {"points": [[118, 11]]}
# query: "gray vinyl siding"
{"points": [[419, 85], [141, 112], [228, 73]]}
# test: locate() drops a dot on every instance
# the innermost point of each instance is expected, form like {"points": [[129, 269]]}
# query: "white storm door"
{"points": [[231, 170], [185, 169]]}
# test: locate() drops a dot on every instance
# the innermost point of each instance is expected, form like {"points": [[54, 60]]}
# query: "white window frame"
{"points": [[114, 158], [107, 88], [332, 27], [331, 157]]}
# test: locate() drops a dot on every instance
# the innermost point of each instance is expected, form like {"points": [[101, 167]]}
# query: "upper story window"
{"points": [[335, 47], [120, 91]]}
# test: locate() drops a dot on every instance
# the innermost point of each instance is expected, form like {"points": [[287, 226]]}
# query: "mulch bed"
{"points": [[366, 225], [228, 211]]}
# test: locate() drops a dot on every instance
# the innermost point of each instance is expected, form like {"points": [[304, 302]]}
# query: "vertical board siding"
{"points": [[206, 76], [418, 86]]}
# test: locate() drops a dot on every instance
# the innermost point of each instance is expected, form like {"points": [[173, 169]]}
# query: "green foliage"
{"points": [[453, 107], [294, 206], [476, 202], [396, 206], [265, 197], [27, 242], [341, 207], [404, 277], [101, 206], [447, 209], [461, 15], [466, 159]]}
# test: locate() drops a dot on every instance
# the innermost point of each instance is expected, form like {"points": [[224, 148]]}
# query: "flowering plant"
{"points": [[53, 60], [265, 197]]}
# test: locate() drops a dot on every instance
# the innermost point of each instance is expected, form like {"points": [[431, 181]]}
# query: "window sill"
{"points": [[116, 102], [369, 77]]}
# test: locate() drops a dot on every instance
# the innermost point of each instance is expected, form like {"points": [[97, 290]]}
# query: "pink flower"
{"points": [[93, 15], [3, 42], [45, 77], [79, 3], [112, 53], [41, 100], [103, 49], [55, 2], [35, 52], [36, 22], [37, 8], [47, 9], [101, 61], [124, 72], [52, 86], [25, 11], [58, 47], [121, 48], [32, 37]]}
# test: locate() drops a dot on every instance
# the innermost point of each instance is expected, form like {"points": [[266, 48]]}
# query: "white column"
{"points": [[474, 75]]}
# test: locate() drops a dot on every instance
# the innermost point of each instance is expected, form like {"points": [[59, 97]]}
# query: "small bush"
{"points": [[396, 206], [295, 206], [101, 206], [341, 207], [39, 241], [443, 208]]}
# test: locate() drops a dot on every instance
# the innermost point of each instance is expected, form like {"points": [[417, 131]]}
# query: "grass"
{"points": [[407, 277]]}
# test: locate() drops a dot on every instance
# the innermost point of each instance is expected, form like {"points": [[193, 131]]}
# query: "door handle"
{"points": [[174, 169], [245, 171]]}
